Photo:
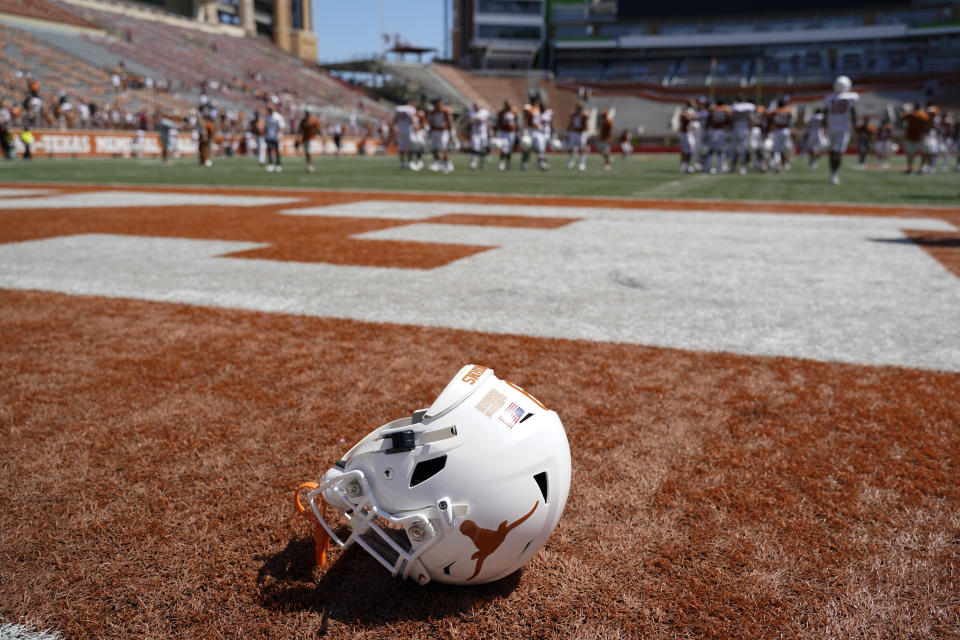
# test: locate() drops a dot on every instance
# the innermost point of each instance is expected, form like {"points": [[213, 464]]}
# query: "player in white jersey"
{"points": [[479, 122], [743, 111], [577, 137], [507, 132], [841, 121], [533, 127], [688, 124], [404, 120], [440, 120], [817, 141]]}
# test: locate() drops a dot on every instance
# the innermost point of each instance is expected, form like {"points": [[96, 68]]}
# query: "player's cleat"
{"points": [[270, 168], [834, 179], [583, 166]]}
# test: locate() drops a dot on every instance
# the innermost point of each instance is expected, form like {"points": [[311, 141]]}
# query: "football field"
{"points": [[759, 377]]}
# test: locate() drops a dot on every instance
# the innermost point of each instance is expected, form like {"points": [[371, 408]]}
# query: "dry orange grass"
{"points": [[150, 452]]}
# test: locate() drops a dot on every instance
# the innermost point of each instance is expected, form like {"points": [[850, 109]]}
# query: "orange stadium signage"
{"points": [[107, 144]]}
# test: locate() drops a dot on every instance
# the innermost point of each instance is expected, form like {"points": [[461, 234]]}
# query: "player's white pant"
{"points": [[839, 140], [261, 150], [508, 140], [782, 141], [688, 143], [577, 141], [479, 142], [439, 140], [539, 142], [404, 141]]}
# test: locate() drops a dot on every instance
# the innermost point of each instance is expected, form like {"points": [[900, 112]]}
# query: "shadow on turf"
{"points": [[923, 242], [354, 588]]}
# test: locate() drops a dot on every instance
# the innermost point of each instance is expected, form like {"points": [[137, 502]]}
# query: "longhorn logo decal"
{"points": [[489, 540]]}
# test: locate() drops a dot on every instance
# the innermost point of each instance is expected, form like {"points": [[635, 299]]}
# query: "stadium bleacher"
{"points": [[130, 59]]}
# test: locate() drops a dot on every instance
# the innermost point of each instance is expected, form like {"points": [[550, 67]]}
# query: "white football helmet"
{"points": [[526, 141], [842, 84], [464, 492]]}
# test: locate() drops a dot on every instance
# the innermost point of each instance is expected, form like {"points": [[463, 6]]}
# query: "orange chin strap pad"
{"points": [[320, 536]]}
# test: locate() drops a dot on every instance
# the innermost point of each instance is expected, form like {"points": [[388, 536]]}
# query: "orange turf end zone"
{"points": [[715, 495]]}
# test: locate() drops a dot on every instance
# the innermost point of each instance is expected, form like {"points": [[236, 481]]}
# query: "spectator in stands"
{"points": [[309, 127], [916, 122], [26, 137], [272, 130]]}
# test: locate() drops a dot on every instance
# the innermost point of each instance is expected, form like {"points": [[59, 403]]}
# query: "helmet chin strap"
{"points": [[321, 538]]}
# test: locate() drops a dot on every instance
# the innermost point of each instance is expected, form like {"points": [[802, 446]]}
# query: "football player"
{"points": [[817, 140], [404, 117], [533, 127], [479, 123], [606, 136], [866, 138], [780, 129], [916, 123], [841, 121], [441, 123], [718, 132], [742, 114], [309, 127], [507, 132], [688, 138], [577, 136], [884, 145]]}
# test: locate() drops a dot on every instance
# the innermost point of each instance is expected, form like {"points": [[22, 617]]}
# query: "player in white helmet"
{"points": [[841, 121], [479, 123]]}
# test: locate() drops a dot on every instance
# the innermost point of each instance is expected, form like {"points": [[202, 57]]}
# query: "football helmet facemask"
{"points": [[464, 492]]}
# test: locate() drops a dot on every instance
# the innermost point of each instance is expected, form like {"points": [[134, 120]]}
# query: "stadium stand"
{"points": [[125, 58]]}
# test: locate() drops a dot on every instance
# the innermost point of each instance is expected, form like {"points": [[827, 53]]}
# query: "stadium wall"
{"points": [[113, 144]]}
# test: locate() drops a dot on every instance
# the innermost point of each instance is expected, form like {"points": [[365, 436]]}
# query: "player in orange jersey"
{"points": [[606, 136], [507, 133], [309, 128], [916, 123]]}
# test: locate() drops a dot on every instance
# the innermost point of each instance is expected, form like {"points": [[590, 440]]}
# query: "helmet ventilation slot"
{"points": [[427, 469], [541, 479]]}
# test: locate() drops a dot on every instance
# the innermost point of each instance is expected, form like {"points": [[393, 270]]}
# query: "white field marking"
{"points": [[6, 192], [112, 199], [11, 631], [822, 287], [671, 188]]}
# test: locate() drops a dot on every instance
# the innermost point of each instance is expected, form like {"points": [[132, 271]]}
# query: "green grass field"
{"points": [[641, 176]]}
